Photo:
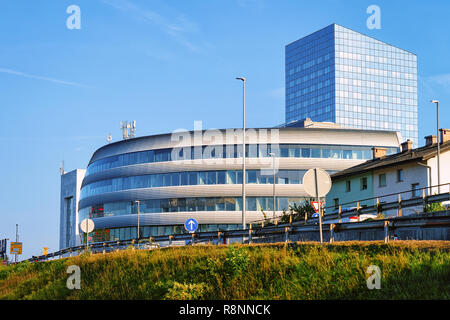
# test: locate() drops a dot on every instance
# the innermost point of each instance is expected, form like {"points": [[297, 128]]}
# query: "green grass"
{"points": [[409, 270]]}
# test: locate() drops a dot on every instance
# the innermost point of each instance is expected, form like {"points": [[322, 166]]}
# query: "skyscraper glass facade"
{"points": [[342, 76]]}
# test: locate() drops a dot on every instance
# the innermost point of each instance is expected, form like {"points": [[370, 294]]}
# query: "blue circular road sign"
{"points": [[191, 225]]}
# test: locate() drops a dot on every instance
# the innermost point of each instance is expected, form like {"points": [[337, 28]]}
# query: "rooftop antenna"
{"points": [[128, 129], [132, 127], [124, 128], [109, 138], [61, 168]]}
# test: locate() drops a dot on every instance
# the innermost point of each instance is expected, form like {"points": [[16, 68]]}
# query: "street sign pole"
{"points": [[87, 226], [17, 240], [317, 183], [87, 235], [318, 204]]}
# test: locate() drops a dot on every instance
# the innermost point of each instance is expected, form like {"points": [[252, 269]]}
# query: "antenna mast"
{"points": [[128, 129], [61, 168]]}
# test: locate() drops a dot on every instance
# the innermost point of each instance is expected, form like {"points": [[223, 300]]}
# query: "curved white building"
{"points": [[198, 174]]}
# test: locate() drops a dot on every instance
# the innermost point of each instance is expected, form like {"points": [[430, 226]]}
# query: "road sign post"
{"points": [[87, 226], [191, 225], [16, 248], [317, 183]]}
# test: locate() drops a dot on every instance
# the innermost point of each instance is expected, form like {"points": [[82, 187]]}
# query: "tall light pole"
{"points": [[438, 147], [17, 240], [243, 153], [273, 164]]}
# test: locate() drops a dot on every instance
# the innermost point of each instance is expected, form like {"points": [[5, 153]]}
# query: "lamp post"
{"points": [[138, 203], [243, 152], [438, 147], [273, 165]]}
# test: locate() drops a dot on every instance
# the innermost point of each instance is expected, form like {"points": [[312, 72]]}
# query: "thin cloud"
{"points": [[32, 76], [175, 28], [436, 83], [277, 93]]}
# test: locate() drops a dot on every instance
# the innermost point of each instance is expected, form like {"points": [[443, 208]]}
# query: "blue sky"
{"points": [[164, 64]]}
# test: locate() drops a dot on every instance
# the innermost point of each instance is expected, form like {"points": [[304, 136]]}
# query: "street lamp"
{"points": [[138, 203], [273, 165], [243, 152], [438, 147]]}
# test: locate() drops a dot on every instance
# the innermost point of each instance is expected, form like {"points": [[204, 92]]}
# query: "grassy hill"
{"points": [[409, 270]]}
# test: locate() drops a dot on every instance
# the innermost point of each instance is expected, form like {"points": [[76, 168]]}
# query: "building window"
{"points": [[69, 220], [414, 190], [336, 203], [399, 175], [382, 180], [348, 186], [364, 183]]}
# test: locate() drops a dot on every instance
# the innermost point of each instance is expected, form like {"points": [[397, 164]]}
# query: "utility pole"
{"points": [[17, 240], [438, 147], [243, 155], [273, 164]]}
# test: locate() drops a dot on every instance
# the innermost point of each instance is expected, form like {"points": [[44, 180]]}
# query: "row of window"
{"points": [[381, 181], [395, 68], [376, 59], [312, 89], [310, 76], [187, 205], [381, 184], [375, 78], [308, 64], [191, 178], [376, 85], [230, 151], [374, 97]]}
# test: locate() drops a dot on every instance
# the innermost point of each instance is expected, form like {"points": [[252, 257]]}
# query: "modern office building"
{"points": [[169, 178], [68, 217], [342, 76]]}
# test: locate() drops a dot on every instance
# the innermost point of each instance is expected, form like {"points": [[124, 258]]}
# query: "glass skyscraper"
{"points": [[342, 76]]}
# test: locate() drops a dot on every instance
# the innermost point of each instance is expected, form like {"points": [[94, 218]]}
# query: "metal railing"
{"points": [[261, 229]]}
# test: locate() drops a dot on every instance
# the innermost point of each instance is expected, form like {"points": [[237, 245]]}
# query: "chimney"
{"points": [[378, 152], [407, 145], [445, 135], [430, 140]]}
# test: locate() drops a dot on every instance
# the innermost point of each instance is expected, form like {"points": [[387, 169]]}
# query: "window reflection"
{"points": [[231, 151], [186, 204], [189, 178]]}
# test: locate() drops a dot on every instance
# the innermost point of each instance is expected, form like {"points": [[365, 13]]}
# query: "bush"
{"points": [[236, 262], [193, 291], [298, 212], [434, 207]]}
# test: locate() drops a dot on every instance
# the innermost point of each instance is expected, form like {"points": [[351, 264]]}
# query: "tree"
{"points": [[433, 207], [298, 212]]}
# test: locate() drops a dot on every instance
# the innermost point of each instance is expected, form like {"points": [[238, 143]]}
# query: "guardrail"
{"points": [[309, 225], [379, 207]]}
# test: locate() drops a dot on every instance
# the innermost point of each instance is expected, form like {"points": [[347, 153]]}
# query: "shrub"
{"points": [[192, 291], [236, 261]]}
